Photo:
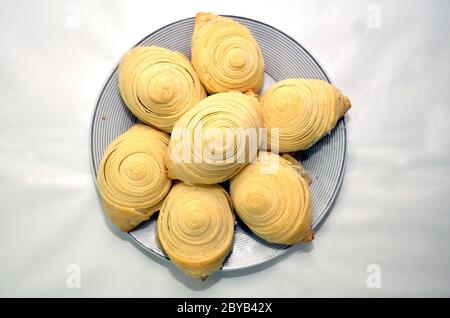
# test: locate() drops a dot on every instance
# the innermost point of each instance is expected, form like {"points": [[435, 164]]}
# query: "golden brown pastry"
{"points": [[225, 55], [132, 178], [271, 196], [196, 227], [303, 111], [158, 85], [215, 139]]}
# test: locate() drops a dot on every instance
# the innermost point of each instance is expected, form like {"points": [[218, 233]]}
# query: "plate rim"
{"points": [[341, 172]]}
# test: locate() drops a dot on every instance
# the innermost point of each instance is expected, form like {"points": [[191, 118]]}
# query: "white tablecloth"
{"points": [[393, 211]]}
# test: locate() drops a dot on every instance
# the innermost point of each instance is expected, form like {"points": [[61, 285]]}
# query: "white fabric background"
{"points": [[394, 206]]}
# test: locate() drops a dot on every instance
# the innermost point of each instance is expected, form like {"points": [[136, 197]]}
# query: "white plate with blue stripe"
{"points": [[284, 58]]}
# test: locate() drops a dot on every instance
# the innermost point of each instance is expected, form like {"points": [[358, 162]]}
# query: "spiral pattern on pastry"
{"points": [[158, 85], [271, 196], [132, 179], [215, 139], [225, 55], [303, 110], [196, 228]]}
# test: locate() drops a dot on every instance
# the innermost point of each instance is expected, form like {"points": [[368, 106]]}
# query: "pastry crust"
{"points": [[211, 142], [158, 85], [225, 55], [132, 180], [202, 18], [271, 196], [196, 227], [299, 112]]}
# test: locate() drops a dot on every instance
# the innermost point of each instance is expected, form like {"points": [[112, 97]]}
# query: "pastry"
{"points": [[271, 196], [299, 112], [196, 227], [158, 85], [215, 139], [132, 178], [225, 55]]}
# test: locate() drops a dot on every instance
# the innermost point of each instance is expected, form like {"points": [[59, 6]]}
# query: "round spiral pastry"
{"points": [[215, 139], [132, 178], [225, 55], [158, 85], [271, 196], [196, 227], [303, 111]]}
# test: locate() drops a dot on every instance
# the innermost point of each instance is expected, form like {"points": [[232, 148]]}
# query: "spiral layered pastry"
{"points": [[196, 227], [158, 85], [132, 178], [215, 139], [302, 111], [271, 196], [225, 55]]}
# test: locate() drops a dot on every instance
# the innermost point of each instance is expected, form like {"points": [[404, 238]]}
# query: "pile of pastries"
{"points": [[185, 108]]}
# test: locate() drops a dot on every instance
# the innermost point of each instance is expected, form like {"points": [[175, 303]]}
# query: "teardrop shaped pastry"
{"points": [[132, 179], [215, 139], [196, 227], [158, 85], [303, 111], [225, 55], [271, 196]]}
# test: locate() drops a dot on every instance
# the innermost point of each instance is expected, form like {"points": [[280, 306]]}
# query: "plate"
{"points": [[284, 58]]}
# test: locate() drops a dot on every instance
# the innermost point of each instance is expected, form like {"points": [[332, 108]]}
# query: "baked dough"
{"points": [[132, 178], [215, 139], [158, 85], [303, 111], [271, 196], [196, 227], [225, 55]]}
